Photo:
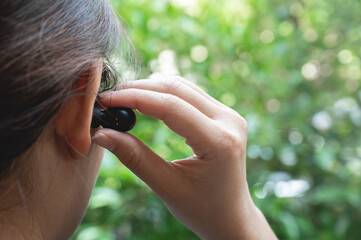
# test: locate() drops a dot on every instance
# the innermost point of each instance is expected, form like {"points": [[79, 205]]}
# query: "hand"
{"points": [[207, 192]]}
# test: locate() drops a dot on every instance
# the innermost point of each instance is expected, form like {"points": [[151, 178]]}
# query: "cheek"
{"points": [[95, 158], [90, 171], [87, 173]]}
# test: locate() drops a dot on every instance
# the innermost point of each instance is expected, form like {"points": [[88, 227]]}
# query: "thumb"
{"points": [[137, 157]]}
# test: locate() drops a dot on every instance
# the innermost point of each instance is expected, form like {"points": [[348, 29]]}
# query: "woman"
{"points": [[53, 56]]}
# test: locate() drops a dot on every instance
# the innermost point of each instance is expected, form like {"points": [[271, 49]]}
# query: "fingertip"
{"points": [[109, 132], [106, 98], [102, 139]]}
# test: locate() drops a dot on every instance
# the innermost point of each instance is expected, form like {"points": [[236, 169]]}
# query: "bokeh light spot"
{"points": [[330, 40], [310, 70], [254, 151], [288, 157], [310, 35], [321, 121], [295, 137], [291, 188], [285, 28], [296, 9], [266, 36], [273, 105], [267, 153], [345, 106], [199, 53], [228, 99], [344, 56]]}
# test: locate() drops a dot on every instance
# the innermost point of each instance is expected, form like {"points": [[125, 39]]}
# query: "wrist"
{"points": [[246, 223], [258, 226]]}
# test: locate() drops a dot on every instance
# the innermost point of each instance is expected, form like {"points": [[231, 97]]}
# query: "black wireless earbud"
{"points": [[120, 119]]}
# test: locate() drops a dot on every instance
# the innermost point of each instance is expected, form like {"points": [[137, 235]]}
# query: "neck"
{"points": [[17, 221], [48, 195]]}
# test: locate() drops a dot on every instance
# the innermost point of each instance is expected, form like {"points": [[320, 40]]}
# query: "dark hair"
{"points": [[45, 45]]}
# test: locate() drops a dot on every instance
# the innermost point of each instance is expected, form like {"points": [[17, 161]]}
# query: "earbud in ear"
{"points": [[120, 119]]}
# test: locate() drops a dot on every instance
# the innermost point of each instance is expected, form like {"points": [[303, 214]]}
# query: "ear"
{"points": [[73, 121]]}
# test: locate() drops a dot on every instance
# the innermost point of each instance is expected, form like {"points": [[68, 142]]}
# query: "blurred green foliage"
{"points": [[292, 69]]}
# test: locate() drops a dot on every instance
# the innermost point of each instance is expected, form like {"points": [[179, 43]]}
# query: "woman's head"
{"points": [[45, 45], [52, 56]]}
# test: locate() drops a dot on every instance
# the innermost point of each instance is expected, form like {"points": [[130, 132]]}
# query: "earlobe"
{"points": [[73, 120]]}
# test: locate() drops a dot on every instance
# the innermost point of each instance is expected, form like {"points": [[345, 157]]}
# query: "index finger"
{"points": [[180, 116]]}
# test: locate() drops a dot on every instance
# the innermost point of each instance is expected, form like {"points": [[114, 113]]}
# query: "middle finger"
{"points": [[179, 89]]}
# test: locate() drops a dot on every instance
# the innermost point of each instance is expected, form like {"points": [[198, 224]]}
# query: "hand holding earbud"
{"points": [[207, 192]]}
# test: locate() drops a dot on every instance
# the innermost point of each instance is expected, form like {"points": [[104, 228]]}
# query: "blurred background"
{"points": [[292, 69]]}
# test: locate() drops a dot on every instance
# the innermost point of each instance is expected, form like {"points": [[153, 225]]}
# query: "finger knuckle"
{"points": [[243, 123], [132, 159], [240, 121], [172, 101], [171, 85], [178, 78], [231, 140], [172, 105]]}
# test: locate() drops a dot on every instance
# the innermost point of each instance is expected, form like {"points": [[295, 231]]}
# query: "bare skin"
{"points": [[207, 192]]}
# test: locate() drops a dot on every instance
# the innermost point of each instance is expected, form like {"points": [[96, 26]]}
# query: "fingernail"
{"points": [[124, 85], [103, 96], [104, 141]]}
